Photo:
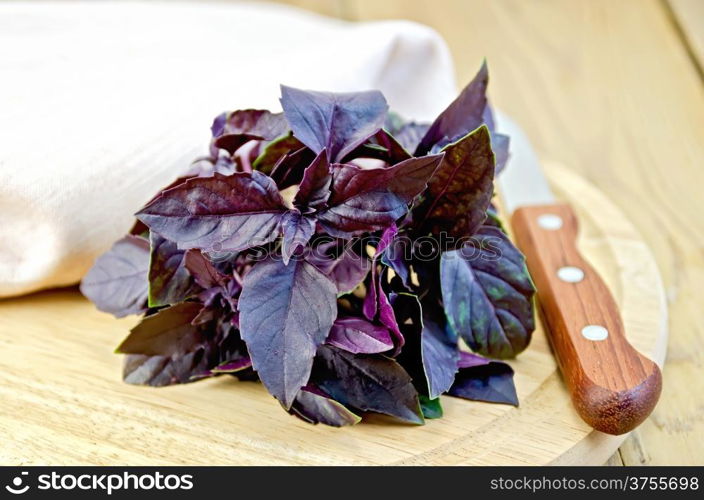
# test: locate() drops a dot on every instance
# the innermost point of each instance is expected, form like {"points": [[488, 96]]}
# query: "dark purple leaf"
{"points": [[233, 366], [358, 335], [314, 189], [117, 282], [487, 293], [397, 256], [492, 382], [258, 122], [381, 146], [285, 313], [169, 332], [346, 270], [338, 122], [440, 355], [367, 383], [387, 237], [365, 200], [274, 151], [410, 135], [499, 142], [233, 130], [500, 145], [290, 168], [221, 212], [459, 193], [232, 142], [463, 115], [169, 280], [470, 360], [388, 319], [314, 407], [207, 166], [203, 271], [370, 305], [159, 371], [297, 230], [431, 354]]}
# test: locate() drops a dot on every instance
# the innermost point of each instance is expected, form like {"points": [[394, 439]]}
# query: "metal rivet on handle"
{"points": [[551, 222], [595, 332], [570, 274]]}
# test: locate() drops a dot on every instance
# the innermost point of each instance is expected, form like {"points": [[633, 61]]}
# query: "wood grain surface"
{"points": [[613, 387], [610, 89], [63, 401]]}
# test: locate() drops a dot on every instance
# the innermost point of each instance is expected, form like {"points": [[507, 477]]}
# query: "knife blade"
{"points": [[613, 387]]}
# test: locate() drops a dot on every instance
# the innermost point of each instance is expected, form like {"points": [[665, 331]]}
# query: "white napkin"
{"points": [[102, 104]]}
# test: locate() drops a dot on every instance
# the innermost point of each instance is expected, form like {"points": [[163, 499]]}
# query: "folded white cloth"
{"points": [[103, 104]]}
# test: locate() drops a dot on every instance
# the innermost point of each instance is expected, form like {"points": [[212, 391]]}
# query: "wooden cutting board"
{"points": [[63, 402]]}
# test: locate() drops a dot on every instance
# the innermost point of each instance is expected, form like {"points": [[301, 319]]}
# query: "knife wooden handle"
{"points": [[613, 386]]}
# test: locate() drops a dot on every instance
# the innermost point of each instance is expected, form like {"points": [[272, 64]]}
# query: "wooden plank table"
{"points": [[614, 90]]}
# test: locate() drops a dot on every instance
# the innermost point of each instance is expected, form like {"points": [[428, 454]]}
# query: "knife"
{"points": [[613, 387]]}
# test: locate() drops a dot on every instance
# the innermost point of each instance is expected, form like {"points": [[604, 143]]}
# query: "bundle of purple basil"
{"points": [[336, 253]]}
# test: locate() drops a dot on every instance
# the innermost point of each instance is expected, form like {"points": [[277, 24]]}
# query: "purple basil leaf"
{"points": [[370, 304], [314, 189], [487, 293], [347, 270], [431, 354], [180, 369], [274, 151], [207, 166], [500, 145], [117, 282], [367, 382], [365, 200], [286, 311], [169, 332], [169, 280], [338, 122], [233, 130], [233, 366], [395, 257], [407, 133], [410, 135], [203, 271], [258, 122], [492, 383], [459, 193], [290, 168], [222, 212], [297, 230], [440, 356], [388, 319], [314, 407], [470, 360], [357, 335], [463, 115], [387, 237], [232, 142], [381, 146], [159, 371]]}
